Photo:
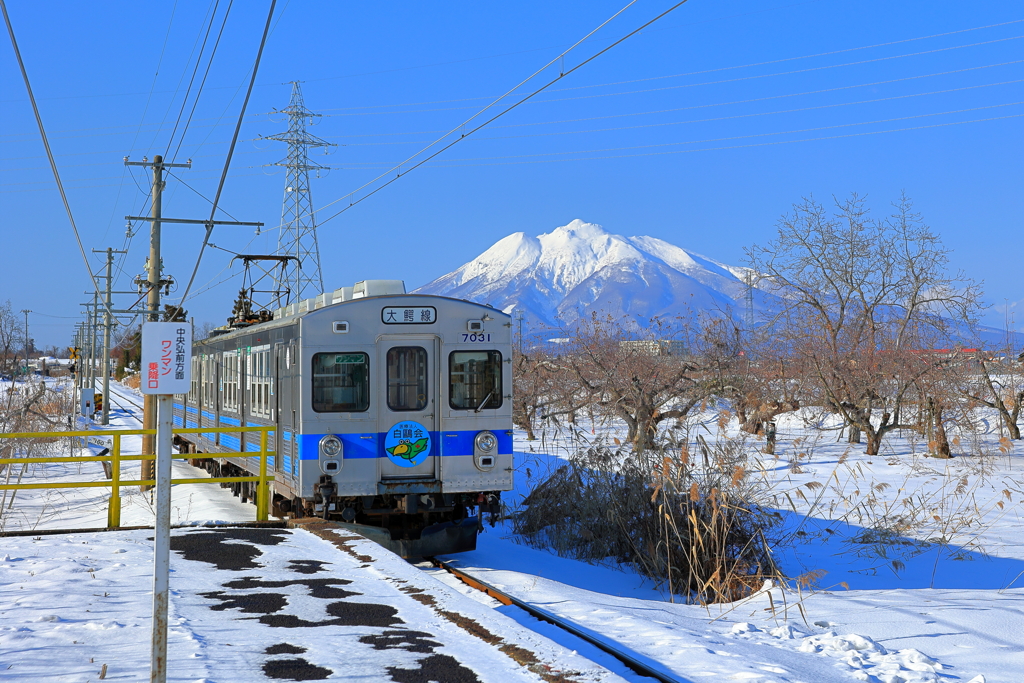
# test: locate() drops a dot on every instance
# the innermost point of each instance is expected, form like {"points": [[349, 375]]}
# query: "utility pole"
{"points": [[519, 318], [107, 324], [78, 358], [92, 341], [26, 312], [153, 282], [158, 415]]}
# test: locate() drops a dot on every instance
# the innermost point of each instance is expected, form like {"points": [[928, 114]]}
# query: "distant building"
{"points": [[656, 347]]}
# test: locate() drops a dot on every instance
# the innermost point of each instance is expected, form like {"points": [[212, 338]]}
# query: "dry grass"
{"points": [[692, 523]]}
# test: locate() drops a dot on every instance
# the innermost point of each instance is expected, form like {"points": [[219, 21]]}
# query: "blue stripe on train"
{"points": [[371, 445]]}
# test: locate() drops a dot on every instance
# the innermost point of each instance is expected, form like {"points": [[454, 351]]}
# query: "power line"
{"points": [[46, 144], [753, 135], [729, 147], [145, 193], [599, 85], [195, 70], [231, 149], [561, 75], [744, 116], [202, 84], [694, 85], [717, 69]]}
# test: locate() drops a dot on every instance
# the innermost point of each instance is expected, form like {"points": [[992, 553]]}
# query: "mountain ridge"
{"points": [[561, 275]]}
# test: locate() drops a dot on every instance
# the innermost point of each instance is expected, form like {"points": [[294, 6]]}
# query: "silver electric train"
{"points": [[392, 412]]}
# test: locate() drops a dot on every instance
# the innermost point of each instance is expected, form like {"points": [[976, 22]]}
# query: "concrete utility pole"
{"points": [[158, 415], [92, 340], [107, 324], [78, 359], [26, 312], [153, 282]]}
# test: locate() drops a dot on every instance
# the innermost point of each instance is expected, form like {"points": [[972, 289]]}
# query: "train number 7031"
{"points": [[476, 337]]}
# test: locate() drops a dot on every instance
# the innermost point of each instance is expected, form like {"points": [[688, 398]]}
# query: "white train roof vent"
{"points": [[367, 288], [342, 294]]}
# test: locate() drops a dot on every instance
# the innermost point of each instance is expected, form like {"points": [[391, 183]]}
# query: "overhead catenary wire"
{"points": [[202, 84], [231, 149], [49, 152], [195, 70]]}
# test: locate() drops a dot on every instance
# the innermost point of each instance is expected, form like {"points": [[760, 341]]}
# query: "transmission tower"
{"points": [[300, 276], [748, 277]]}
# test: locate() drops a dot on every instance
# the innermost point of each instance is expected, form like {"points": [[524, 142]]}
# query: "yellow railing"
{"points": [[115, 458]]}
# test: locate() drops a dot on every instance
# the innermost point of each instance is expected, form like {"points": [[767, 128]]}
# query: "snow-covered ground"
{"points": [[889, 608]]}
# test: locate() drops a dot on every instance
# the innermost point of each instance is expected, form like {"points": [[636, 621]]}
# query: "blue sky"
{"points": [[701, 130]]}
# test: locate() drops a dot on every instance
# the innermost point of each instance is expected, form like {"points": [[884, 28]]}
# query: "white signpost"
{"points": [[166, 370]]}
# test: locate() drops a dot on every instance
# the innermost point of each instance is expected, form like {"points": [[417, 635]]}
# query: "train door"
{"points": [[274, 404], [287, 406], [408, 406]]}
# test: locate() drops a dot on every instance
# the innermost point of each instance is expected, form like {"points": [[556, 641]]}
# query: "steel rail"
{"points": [[631, 661]]}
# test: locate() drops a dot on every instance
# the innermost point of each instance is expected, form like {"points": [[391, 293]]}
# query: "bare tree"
{"points": [[753, 371], [12, 337], [643, 376], [860, 296], [996, 380]]}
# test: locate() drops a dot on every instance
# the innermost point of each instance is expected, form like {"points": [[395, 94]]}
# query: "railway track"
{"points": [[630, 660], [126, 403]]}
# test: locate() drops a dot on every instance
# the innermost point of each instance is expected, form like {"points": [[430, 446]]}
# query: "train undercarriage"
{"points": [[408, 524]]}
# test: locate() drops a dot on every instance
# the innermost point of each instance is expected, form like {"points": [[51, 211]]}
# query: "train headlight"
{"points": [[330, 446], [331, 453], [485, 451], [486, 442]]}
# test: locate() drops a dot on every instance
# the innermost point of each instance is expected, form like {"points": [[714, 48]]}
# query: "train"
{"points": [[392, 412]]}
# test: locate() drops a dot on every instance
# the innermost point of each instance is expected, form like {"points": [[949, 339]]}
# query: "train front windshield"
{"points": [[341, 382], [474, 380]]}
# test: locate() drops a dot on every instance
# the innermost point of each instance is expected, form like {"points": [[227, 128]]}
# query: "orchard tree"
{"points": [[642, 375], [543, 388], [752, 371], [12, 336], [996, 380], [860, 299]]}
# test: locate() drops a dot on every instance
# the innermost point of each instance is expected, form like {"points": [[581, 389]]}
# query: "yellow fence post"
{"points": [[114, 509], [263, 497], [262, 493]]}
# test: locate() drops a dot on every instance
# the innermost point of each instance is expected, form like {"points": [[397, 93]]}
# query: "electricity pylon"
{"points": [[300, 276]]}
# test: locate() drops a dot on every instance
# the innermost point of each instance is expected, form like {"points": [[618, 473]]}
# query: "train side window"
{"points": [[341, 382], [407, 378], [474, 380]]}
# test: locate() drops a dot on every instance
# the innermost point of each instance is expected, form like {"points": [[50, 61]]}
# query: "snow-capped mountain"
{"points": [[577, 268]]}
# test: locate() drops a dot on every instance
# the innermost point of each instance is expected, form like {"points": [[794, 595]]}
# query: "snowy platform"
{"points": [[251, 604]]}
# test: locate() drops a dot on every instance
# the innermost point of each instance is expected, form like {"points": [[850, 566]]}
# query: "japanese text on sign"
{"points": [[166, 349], [408, 315]]}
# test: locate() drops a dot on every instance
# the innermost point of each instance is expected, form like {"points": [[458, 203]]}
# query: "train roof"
{"points": [[362, 291]]}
